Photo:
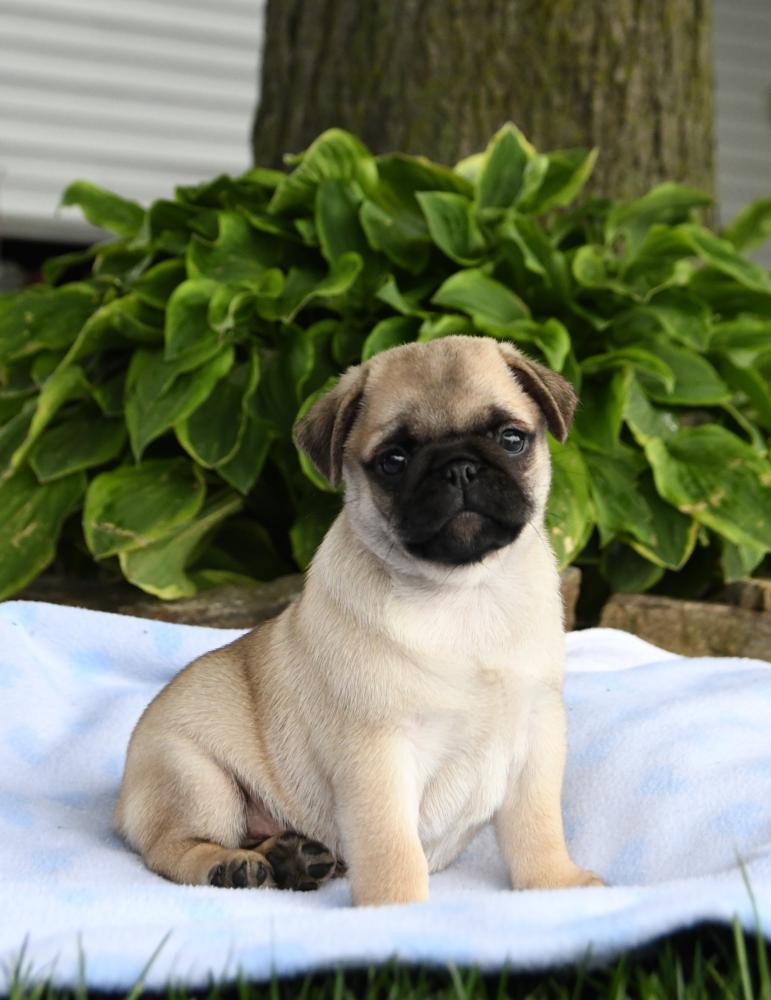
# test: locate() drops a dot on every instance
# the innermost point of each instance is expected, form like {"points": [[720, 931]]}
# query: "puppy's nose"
{"points": [[460, 472]]}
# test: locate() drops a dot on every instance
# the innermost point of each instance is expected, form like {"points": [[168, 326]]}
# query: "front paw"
{"points": [[561, 877]]}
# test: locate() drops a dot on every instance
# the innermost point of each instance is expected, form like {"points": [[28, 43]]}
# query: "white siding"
{"points": [[743, 105], [136, 96]]}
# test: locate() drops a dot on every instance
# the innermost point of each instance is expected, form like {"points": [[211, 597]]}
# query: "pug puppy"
{"points": [[413, 692]]}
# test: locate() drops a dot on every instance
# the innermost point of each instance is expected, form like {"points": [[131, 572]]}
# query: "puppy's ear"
{"points": [[553, 393], [323, 431]]}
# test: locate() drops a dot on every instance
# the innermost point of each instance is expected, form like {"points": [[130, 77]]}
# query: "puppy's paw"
{"points": [[241, 870], [571, 877], [299, 863]]}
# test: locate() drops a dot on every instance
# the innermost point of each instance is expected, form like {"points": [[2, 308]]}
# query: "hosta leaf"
{"points": [[752, 384], [565, 174], [156, 284], [243, 470], [452, 225], [721, 254], [538, 253], [44, 318], [619, 507], [681, 316], [444, 325], [696, 383], [187, 319], [80, 443], [167, 225], [742, 339], [33, 515], [740, 561], [335, 155], [304, 286], [599, 416], [551, 338], [160, 568], [667, 537], [661, 258], [712, 475], [239, 253], [664, 205], [403, 246], [389, 333], [635, 358], [284, 375], [645, 420], [65, 384], [590, 269], [569, 515], [316, 514], [212, 433], [486, 300], [337, 220], [626, 571], [406, 302], [105, 209], [132, 506], [502, 168], [13, 434], [157, 396], [751, 227]]}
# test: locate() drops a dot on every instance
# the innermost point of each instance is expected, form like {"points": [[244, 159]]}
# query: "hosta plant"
{"points": [[148, 388]]}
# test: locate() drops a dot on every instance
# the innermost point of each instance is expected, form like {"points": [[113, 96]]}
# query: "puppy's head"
{"points": [[442, 447]]}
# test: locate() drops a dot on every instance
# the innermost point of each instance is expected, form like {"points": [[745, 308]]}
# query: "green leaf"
{"points": [[716, 478], [486, 300], [660, 258], [212, 433], [619, 507], [664, 205], [403, 246], [65, 384], [569, 514], [337, 220], [132, 506], [751, 227], [452, 225], [158, 395], [538, 254], [389, 333], [740, 561], [43, 318], [636, 358], [335, 155], [590, 269], [696, 383], [565, 174], [551, 338], [187, 331], [599, 416], [644, 420], [74, 445], [720, 254], [502, 168], [681, 316], [667, 537], [752, 385], [436, 325], [408, 303], [32, 520], [239, 253], [304, 286], [628, 572], [243, 470], [160, 568], [104, 209], [742, 339], [13, 434], [156, 284]]}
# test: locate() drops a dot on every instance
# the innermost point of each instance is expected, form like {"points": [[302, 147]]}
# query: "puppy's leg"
{"points": [[186, 816], [529, 822], [378, 815]]}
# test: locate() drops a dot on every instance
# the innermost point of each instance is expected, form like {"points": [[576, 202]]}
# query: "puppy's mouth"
{"points": [[466, 537]]}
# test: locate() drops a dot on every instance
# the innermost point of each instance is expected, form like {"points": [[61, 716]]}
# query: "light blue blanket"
{"points": [[668, 788]]}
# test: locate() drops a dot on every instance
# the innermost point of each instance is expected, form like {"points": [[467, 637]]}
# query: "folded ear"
{"points": [[323, 430], [553, 393]]}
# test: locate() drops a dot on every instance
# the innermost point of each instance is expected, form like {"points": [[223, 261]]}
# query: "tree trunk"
{"points": [[438, 77]]}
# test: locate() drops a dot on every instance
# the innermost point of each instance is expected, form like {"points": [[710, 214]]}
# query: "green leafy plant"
{"points": [[148, 388]]}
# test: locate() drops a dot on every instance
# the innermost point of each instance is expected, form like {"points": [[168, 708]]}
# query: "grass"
{"points": [[711, 961]]}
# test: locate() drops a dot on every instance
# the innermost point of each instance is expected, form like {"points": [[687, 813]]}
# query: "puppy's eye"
{"points": [[392, 462], [512, 440]]}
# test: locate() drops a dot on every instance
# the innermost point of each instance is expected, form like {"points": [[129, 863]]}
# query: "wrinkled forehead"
{"points": [[452, 389]]}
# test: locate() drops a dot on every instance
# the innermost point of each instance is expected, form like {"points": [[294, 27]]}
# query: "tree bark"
{"points": [[439, 77]]}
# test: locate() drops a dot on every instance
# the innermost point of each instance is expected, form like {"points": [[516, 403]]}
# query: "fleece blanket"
{"points": [[667, 795]]}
